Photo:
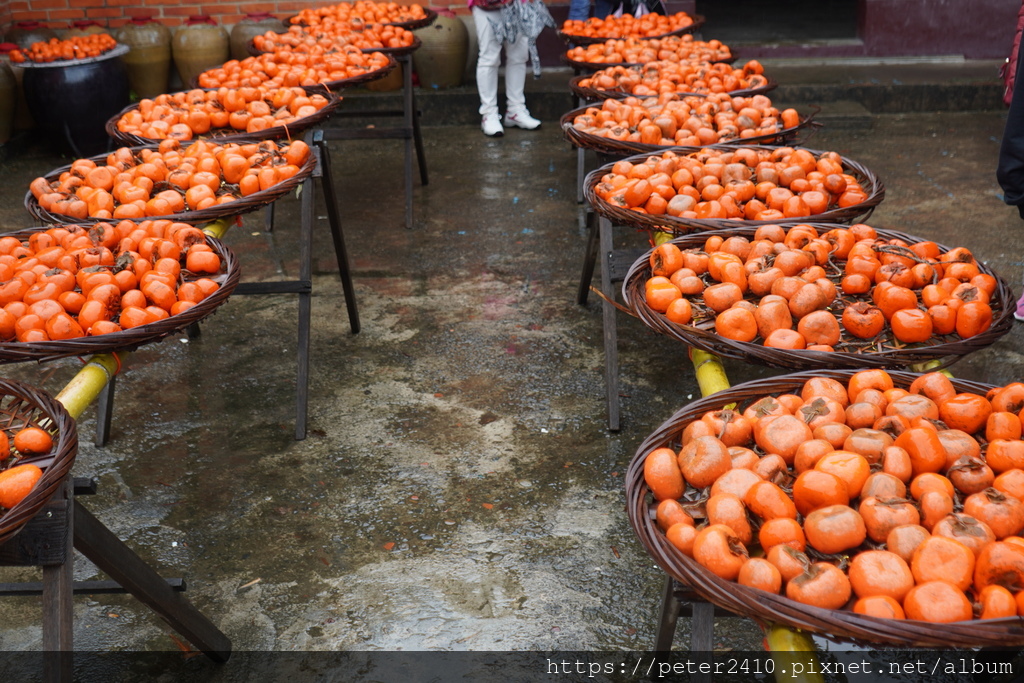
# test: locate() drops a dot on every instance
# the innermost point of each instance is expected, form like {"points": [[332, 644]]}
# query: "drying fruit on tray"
{"points": [[285, 68], [627, 26], [77, 47], [359, 13], [843, 288], [683, 48], [690, 77], [185, 115], [891, 501], [325, 39], [71, 281], [768, 184], [169, 180], [685, 121]]}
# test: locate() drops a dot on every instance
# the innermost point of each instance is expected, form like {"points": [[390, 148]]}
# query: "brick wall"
{"points": [[59, 14]]}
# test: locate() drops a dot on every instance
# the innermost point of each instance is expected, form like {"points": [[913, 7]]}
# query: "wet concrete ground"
{"points": [[458, 489]]}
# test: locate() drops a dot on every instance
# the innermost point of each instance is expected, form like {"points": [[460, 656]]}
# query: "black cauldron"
{"points": [[71, 101]]}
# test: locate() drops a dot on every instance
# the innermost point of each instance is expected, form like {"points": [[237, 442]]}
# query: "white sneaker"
{"points": [[492, 126], [522, 119]]}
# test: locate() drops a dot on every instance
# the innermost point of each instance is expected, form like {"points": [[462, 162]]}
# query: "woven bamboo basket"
{"points": [[698, 22], [130, 339], [623, 148], [24, 406], [684, 226], [355, 81], [395, 51], [222, 135], [597, 66], [765, 607], [882, 352], [411, 25], [595, 95], [414, 24], [240, 206], [328, 87]]}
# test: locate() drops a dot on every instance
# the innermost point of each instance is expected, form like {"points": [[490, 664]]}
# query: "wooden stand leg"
{"points": [[113, 557], [305, 309], [334, 219], [581, 173], [667, 617], [105, 412], [407, 116], [611, 337], [589, 260], [58, 609]]}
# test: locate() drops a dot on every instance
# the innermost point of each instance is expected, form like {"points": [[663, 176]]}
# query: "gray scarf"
{"points": [[517, 17]]}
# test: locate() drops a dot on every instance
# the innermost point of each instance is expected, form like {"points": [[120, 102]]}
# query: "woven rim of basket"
{"points": [[771, 608], [698, 21], [683, 226], [948, 351], [240, 206], [622, 148], [368, 77], [593, 94], [127, 340], [410, 25], [21, 406], [396, 51], [597, 66], [222, 135]]}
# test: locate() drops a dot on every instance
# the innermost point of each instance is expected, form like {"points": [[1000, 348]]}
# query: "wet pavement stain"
{"points": [[458, 488]]}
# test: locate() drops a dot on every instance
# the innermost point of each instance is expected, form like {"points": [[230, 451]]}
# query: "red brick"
{"points": [[220, 8], [182, 11], [30, 16], [232, 19], [61, 18], [18, 7], [256, 7], [49, 4], [120, 3]]}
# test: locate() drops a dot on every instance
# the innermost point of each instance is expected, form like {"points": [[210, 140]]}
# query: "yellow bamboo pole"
{"points": [[793, 651], [84, 387], [97, 372], [218, 227]]}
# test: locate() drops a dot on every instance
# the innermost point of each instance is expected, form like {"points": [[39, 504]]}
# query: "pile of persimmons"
{"points": [[168, 180], [55, 49], [359, 13], [688, 76], [285, 68], [185, 115], [627, 26], [685, 121], [71, 281], [895, 503], [747, 183], [18, 478], [636, 51], [329, 37], [843, 289]]}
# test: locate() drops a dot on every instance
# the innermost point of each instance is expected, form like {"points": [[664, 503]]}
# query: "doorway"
{"points": [[738, 22]]}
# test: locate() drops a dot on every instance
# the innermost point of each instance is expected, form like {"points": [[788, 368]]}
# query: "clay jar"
{"points": [[85, 27], [199, 45], [24, 33], [249, 27], [71, 103], [8, 101], [149, 58], [441, 59], [22, 117]]}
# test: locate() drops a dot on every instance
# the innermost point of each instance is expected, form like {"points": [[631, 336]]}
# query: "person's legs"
{"points": [[579, 10], [516, 113], [602, 8], [487, 64]]}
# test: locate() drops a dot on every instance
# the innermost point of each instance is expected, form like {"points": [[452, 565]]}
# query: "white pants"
{"points": [[487, 65]]}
